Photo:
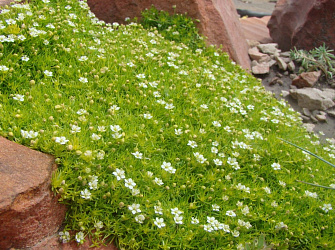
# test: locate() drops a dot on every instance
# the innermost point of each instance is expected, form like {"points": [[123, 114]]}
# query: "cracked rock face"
{"points": [[313, 99], [29, 211], [305, 24]]}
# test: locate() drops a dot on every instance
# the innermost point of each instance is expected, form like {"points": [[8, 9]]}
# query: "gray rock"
{"points": [[331, 113], [285, 93], [312, 99], [321, 118], [281, 63], [305, 118], [260, 68], [272, 62], [291, 66], [285, 54], [252, 43], [306, 112], [329, 93], [256, 55], [313, 118], [269, 48]]}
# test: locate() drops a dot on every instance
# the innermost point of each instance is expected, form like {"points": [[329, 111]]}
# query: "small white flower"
{"points": [[216, 124], [147, 116], [281, 225], [169, 106], [98, 224], [47, 73], [215, 207], [25, 58], [204, 106], [83, 58], [75, 129], [159, 222], [327, 207], [139, 218], [230, 213], [267, 190], [158, 210], [115, 128], [80, 237], [137, 155], [95, 137], [192, 144], [129, 183], [310, 194], [178, 131], [82, 112], [158, 181], [176, 211], [83, 79], [119, 174], [217, 162], [85, 194], [18, 97], [140, 76], [235, 233], [178, 219], [194, 221], [61, 140], [134, 208], [208, 228], [276, 166], [3, 68], [214, 150]]}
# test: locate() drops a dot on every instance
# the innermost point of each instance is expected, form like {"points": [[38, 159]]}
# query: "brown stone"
{"points": [[218, 20], [255, 28], [29, 211], [306, 79], [303, 24], [260, 68]]}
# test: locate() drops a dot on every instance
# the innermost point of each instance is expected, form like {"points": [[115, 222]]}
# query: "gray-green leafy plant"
{"points": [[321, 58]]}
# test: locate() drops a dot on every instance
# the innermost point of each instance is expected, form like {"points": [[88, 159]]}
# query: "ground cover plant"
{"points": [[158, 147]]}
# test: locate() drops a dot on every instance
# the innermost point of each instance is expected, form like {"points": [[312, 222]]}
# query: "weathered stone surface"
{"points": [[291, 66], [258, 56], [306, 79], [321, 118], [218, 20], [331, 113], [268, 48], [281, 63], [304, 24], [29, 211], [255, 28], [312, 98], [260, 68]]}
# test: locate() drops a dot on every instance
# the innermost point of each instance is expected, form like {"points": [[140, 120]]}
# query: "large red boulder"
{"points": [[305, 24], [218, 20], [29, 211]]}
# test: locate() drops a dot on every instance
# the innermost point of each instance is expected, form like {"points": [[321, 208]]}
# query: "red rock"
{"points": [[218, 20], [306, 79], [29, 211], [304, 24]]}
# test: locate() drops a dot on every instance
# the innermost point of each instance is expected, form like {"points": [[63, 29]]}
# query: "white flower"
{"points": [[147, 116], [129, 183], [216, 124], [119, 174], [178, 219], [75, 129], [327, 207], [98, 224], [158, 181], [93, 184], [137, 155], [47, 73], [194, 220], [235, 233], [101, 128], [159, 222], [82, 112], [281, 225], [140, 76], [215, 207], [158, 210], [217, 162], [176, 211], [80, 237], [64, 236], [135, 192], [139, 218], [134, 208], [208, 228], [114, 108], [29, 135], [214, 150], [230, 213], [199, 157], [61, 140], [25, 58], [204, 106], [267, 190], [192, 144], [275, 166], [178, 131], [310, 194], [83, 58], [3, 68], [168, 168], [85, 194], [18, 97], [115, 128], [95, 137], [169, 106], [83, 79]]}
